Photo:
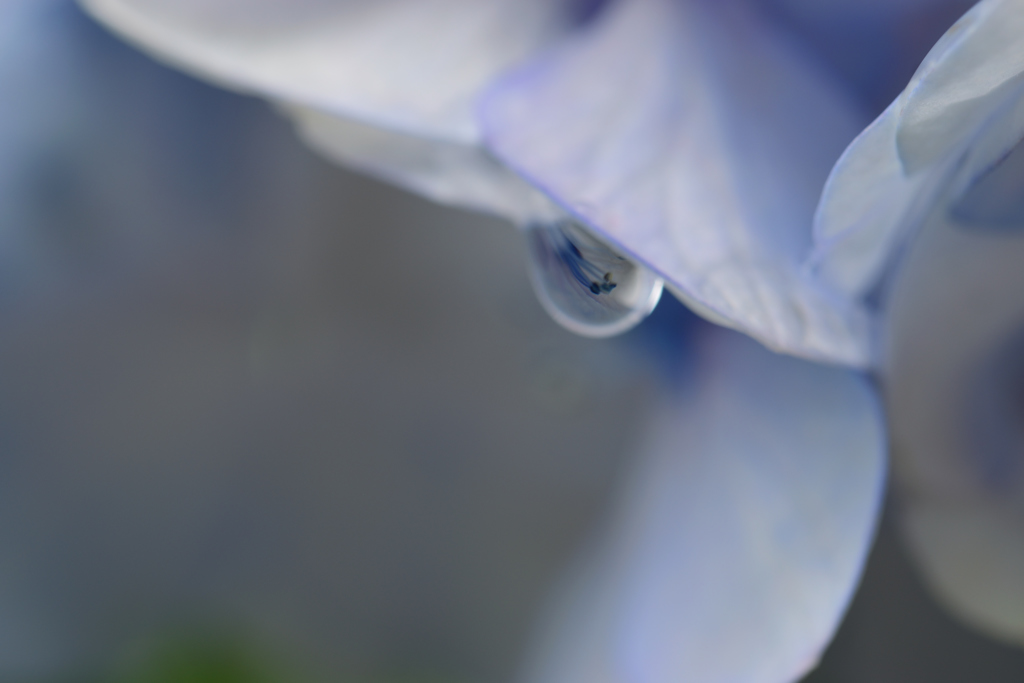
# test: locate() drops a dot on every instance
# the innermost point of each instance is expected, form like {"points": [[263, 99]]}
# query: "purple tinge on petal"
{"points": [[386, 86], [959, 117], [741, 535], [866, 209], [969, 74], [410, 65], [945, 163], [697, 139]]}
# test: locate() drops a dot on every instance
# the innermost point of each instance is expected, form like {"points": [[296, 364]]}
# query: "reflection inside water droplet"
{"points": [[585, 285]]}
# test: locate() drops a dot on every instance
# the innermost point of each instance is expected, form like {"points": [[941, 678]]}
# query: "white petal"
{"points": [[953, 376], [867, 206], [960, 114], [976, 66], [412, 65], [446, 172], [741, 536], [404, 72], [698, 140]]}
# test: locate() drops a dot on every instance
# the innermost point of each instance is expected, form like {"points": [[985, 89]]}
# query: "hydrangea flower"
{"points": [[944, 163], [687, 142]]}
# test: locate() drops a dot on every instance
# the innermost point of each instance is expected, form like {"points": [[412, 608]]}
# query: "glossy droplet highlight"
{"points": [[585, 285]]}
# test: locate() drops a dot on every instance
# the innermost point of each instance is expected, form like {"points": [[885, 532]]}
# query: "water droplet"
{"points": [[584, 284]]}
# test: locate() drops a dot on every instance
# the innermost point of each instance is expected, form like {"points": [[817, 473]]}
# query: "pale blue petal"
{"points": [[954, 373], [740, 537], [697, 139], [943, 159], [444, 171], [867, 205], [406, 72], [967, 76], [959, 115], [411, 65]]}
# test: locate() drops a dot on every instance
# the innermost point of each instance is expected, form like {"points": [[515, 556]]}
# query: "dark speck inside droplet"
{"points": [[585, 284]]}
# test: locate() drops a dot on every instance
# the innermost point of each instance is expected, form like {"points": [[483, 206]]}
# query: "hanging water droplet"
{"points": [[584, 284]]}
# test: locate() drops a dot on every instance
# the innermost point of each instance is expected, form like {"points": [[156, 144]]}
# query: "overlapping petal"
{"points": [[697, 138], [740, 537], [386, 85], [411, 65], [945, 163], [867, 207], [960, 115], [969, 74]]}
